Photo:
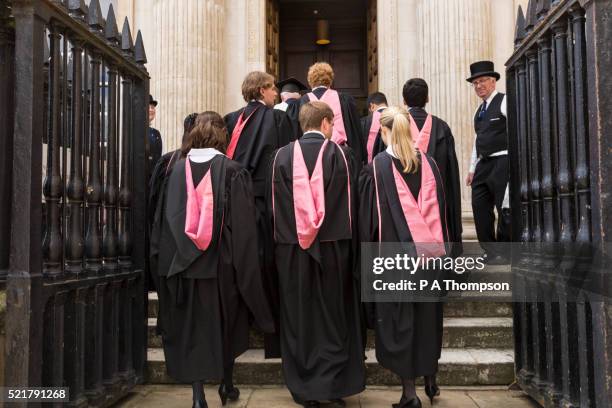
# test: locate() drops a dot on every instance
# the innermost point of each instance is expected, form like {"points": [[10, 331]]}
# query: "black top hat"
{"points": [[482, 68], [152, 101], [291, 85]]}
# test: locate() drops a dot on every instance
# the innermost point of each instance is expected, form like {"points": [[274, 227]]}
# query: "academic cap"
{"points": [[291, 85]]}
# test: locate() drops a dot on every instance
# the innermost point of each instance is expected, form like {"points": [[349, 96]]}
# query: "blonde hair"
{"points": [[397, 120], [320, 74]]}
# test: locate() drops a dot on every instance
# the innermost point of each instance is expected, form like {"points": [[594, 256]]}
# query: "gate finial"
{"points": [[110, 31], [531, 15], [139, 51], [127, 45], [519, 33], [77, 8], [543, 7], [94, 16]]}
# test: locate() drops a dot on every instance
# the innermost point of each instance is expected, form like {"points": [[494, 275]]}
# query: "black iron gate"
{"points": [[75, 287], [560, 135]]}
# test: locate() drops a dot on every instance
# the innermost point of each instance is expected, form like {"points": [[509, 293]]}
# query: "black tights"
{"points": [[228, 375], [198, 391], [228, 381], [408, 388]]}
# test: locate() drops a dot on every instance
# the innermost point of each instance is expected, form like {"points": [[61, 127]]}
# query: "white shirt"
{"points": [[258, 100], [202, 155], [391, 152], [504, 110], [314, 131], [281, 106]]}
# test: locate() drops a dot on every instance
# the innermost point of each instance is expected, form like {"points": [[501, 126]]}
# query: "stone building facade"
{"points": [[199, 50]]}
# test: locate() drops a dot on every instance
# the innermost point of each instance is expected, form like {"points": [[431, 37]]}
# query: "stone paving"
{"points": [[168, 396]]}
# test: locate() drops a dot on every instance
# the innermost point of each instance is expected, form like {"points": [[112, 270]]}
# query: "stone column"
{"points": [[454, 33], [185, 60], [503, 15], [245, 35]]}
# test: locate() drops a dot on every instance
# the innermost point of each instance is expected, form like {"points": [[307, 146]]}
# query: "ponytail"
{"points": [[398, 121]]}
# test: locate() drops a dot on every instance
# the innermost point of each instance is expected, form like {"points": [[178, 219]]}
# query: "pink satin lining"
{"points": [[374, 129], [422, 136], [422, 216], [332, 98], [199, 211], [237, 132], [308, 196]]}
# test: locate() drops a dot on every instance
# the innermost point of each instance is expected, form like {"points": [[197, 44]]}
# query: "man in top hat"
{"points": [[290, 92], [155, 140], [489, 174]]}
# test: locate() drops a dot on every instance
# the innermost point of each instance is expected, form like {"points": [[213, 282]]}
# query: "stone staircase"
{"points": [[477, 350], [477, 345]]}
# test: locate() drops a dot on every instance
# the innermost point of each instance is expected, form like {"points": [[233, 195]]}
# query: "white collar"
{"points": [[257, 100], [382, 108], [490, 98], [320, 86], [202, 155], [314, 131], [391, 152]]}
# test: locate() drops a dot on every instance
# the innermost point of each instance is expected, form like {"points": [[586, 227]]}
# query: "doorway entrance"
{"points": [[351, 45]]}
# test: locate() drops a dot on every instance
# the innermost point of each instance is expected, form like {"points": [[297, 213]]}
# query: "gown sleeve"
{"points": [[244, 248], [368, 209], [368, 227], [452, 189], [352, 125], [286, 133]]}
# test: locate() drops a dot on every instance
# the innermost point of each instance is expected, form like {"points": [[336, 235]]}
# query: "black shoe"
{"points": [[200, 404], [406, 403], [337, 402], [299, 401], [224, 393], [432, 391]]}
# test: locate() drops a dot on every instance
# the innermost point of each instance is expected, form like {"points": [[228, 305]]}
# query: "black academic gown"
{"points": [[408, 334], [352, 123], [320, 322], [442, 150], [293, 117], [206, 297], [267, 130], [157, 184], [379, 145]]}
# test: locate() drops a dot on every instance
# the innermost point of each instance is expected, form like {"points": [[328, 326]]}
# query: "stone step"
{"points": [[451, 309], [459, 332], [457, 367]]}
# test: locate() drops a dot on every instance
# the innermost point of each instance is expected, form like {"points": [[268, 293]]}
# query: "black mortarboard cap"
{"points": [[291, 85]]}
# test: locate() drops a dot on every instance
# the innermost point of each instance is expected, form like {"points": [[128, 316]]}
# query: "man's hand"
{"points": [[468, 179]]}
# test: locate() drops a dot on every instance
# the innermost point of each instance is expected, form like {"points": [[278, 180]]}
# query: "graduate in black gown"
{"points": [[256, 131], [161, 172], [442, 148], [408, 334], [290, 92], [370, 125], [314, 207], [347, 125], [204, 243]]}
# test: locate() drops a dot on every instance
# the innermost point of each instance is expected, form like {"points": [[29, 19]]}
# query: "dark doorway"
{"points": [[347, 52]]}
